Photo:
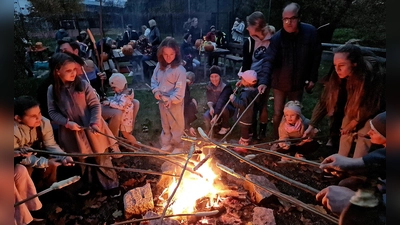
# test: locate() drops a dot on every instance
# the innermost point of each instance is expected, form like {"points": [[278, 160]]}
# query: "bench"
{"points": [[151, 65], [236, 51]]}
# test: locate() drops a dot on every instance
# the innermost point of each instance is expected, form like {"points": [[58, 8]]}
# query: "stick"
{"points": [[276, 175], [279, 194], [251, 103], [54, 186], [227, 103], [127, 169], [198, 214], [177, 185], [99, 59]]}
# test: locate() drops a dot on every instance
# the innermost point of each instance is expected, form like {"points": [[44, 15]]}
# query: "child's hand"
{"points": [[214, 119], [284, 145], [157, 95], [232, 97], [73, 126], [105, 102], [167, 102], [192, 131], [102, 75], [95, 128], [212, 111]]}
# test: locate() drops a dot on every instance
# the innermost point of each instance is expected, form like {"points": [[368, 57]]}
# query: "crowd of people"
{"points": [[78, 119]]}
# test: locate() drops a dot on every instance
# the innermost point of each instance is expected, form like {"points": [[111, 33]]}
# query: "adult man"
{"points": [[291, 61], [337, 198]]}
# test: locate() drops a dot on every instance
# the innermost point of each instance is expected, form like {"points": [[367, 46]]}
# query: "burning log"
{"points": [[257, 194], [138, 201], [234, 193]]}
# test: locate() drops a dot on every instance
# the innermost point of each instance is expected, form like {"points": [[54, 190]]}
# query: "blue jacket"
{"points": [[291, 59], [242, 101]]}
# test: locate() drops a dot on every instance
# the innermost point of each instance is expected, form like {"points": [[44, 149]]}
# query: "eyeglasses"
{"points": [[289, 20]]}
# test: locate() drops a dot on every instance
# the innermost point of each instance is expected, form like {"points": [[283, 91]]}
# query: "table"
{"points": [[219, 52], [135, 60]]}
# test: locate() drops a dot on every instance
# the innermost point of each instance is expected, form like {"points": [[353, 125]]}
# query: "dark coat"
{"points": [[196, 34], [218, 97], [242, 101], [292, 59]]}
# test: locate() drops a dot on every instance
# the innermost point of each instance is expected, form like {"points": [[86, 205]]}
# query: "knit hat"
{"points": [[152, 23], [250, 76], [118, 80], [293, 106], [215, 69], [378, 124]]}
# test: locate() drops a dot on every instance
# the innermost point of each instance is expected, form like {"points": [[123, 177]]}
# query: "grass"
{"points": [[149, 113]]}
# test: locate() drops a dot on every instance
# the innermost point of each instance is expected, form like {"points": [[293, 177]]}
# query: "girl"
{"points": [[123, 100], [168, 85], [74, 106], [293, 125], [355, 89]]}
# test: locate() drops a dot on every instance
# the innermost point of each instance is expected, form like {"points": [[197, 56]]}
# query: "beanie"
{"points": [[378, 124], [118, 80], [250, 76], [215, 69], [293, 106], [152, 23]]}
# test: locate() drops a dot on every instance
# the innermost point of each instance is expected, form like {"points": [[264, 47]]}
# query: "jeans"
{"points": [[279, 104]]}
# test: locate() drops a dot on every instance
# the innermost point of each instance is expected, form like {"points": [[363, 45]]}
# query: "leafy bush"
{"points": [[341, 35]]}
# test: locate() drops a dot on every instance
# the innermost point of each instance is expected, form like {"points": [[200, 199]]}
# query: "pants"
{"points": [[362, 144], [23, 189], [107, 178], [261, 110], [113, 117], [245, 131], [172, 129], [279, 104], [212, 59]]}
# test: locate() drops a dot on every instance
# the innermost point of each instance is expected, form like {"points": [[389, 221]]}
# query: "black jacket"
{"points": [[248, 53], [292, 59]]}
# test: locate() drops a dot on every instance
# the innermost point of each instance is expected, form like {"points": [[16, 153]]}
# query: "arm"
{"points": [[223, 98], [265, 74], [54, 111], [180, 86], [48, 137]]}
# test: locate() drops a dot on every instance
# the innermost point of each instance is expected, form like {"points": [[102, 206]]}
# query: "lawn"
{"points": [[149, 114]]}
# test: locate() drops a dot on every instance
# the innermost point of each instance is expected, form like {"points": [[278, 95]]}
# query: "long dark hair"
{"points": [[169, 42], [363, 93], [55, 63]]}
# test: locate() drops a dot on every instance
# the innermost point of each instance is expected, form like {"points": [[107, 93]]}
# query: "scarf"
{"points": [[293, 128]]}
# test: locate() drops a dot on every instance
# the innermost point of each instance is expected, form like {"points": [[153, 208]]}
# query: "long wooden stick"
{"points": [[279, 194], [54, 186], [127, 169], [198, 214], [178, 183], [276, 175], [241, 115]]}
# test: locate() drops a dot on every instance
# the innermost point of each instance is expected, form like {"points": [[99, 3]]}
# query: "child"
{"points": [[293, 125], [168, 85], [249, 92], [31, 130], [74, 106], [190, 105], [123, 100]]}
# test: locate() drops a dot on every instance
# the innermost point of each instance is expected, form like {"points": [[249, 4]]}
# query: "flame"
{"points": [[191, 188]]}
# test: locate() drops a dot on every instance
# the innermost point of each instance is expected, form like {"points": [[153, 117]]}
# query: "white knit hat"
{"points": [[118, 80], [294, 106]]}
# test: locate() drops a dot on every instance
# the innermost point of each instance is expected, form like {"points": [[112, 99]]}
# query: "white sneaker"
{"points": [[224, 130], [130, 74], [167, 148]]}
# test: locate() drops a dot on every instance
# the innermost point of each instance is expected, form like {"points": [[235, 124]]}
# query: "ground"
{"points": [[66, 207]]}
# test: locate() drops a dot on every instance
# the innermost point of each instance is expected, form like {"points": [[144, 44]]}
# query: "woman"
{"points": [[218, 93], [168, 85], [358, 91], [189, 53]]}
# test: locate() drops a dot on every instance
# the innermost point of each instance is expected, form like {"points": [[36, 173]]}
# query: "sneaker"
{"points": [[114, 192], [38, 215], [244, 142], [329, 142], [84, 190], [130, 74], [167, 148], [223, 130], [115, 149]]}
